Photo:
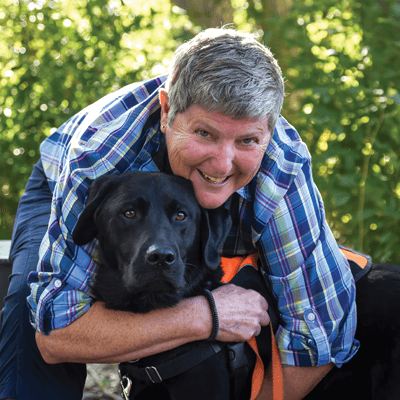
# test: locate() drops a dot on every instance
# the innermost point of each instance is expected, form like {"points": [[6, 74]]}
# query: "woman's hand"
{"points": [[241, 313]]}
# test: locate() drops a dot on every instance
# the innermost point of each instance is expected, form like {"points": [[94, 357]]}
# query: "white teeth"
{"points": [[212, 179]]}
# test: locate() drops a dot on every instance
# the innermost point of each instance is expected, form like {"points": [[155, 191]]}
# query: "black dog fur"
{"points": [[156, 247]]}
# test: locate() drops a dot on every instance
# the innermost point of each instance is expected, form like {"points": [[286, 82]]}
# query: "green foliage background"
{"points": [[340, 60]]}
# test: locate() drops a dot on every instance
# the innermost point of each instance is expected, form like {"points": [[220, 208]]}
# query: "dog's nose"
{"points": [[162, 256]]}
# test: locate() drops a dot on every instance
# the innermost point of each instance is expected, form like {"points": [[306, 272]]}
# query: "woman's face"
{"points": [[216, 152]]}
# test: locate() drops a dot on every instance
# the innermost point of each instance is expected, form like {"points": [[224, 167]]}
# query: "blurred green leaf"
{"points": [[340, 198], [57, 57]]}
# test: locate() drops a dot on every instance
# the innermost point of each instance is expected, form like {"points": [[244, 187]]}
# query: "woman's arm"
{"points": [[297, 381], [107, 336]]}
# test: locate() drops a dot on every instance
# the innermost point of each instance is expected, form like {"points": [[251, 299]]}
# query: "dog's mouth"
{"points": [[164, 286], [157, 283]]}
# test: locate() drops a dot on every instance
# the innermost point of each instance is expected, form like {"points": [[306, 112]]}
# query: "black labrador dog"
{"points": [[156, 247]]}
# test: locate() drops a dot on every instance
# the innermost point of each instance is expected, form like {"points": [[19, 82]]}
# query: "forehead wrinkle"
{"points": [[217, 122], [250, 131]]}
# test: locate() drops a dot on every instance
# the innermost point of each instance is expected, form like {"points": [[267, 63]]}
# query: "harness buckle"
{"points": [[153, 374], [126, 385]]}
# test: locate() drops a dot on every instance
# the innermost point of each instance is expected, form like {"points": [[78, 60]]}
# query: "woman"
{"points": [[217, 123]]}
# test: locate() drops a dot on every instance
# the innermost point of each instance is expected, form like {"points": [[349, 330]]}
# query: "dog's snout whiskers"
{"points": [[161, 256]]}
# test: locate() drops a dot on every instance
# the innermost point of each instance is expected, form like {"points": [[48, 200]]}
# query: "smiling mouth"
{"points": [[212, 179]]}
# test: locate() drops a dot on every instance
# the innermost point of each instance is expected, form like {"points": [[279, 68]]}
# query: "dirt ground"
{"points": [[102, 382]]}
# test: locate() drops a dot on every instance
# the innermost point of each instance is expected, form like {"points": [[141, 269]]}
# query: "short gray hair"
{"points": [[226, 71]]}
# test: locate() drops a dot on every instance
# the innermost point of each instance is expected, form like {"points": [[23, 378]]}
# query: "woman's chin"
{"points": [[212, 196]]}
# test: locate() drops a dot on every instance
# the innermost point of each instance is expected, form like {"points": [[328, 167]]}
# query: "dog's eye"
{"points": [[130, 214], [180, 216]]}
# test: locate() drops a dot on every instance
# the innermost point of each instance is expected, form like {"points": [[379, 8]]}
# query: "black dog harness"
{"points": [[169, 369], [129, 372]]}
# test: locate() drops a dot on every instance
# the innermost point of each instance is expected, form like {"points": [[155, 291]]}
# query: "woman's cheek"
{"points": [[253, 160]]}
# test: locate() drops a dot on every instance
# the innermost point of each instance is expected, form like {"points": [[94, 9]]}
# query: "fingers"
{"points": [[241, 313], [258, 331], [265, 320]]}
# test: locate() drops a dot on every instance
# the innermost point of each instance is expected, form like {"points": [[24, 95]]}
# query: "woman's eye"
{"points": [[130, 214], [180, 216], [203, 133], [249, 141]]}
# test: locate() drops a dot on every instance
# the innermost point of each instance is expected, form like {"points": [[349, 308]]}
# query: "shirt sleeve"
{"points": [[309, 277], [105, 138]]}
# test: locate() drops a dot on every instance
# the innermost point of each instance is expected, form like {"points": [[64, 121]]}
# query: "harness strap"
{"points": [[231, 266], [174, 367], [362, 260]]}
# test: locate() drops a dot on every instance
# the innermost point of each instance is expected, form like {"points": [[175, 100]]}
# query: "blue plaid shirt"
{"points": [[279, 214]]}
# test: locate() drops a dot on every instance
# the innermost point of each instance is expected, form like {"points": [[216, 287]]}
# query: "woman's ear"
{"points": [[164, 101]]}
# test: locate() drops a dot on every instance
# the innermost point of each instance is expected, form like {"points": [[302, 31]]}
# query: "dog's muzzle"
{"points": [[160, 256]]}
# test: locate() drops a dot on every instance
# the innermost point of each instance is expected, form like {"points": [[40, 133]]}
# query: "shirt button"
{"points": [[311, 317], [57, 283]]}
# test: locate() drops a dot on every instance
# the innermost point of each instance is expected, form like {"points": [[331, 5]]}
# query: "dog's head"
{"points": [[157, 245]]}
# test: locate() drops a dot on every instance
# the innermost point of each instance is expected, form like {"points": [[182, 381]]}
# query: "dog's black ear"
{"points": [[215, 227], [85, 229]]}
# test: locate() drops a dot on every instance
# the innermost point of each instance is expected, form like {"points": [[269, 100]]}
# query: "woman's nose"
{"points": [[223, 158]]}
